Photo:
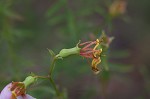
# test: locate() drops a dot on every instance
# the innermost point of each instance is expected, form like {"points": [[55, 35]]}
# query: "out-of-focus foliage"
{"points": [[29, 27]]}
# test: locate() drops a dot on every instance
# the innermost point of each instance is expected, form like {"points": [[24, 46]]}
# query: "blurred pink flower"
{"points": [[117, 7], [15, 90]]}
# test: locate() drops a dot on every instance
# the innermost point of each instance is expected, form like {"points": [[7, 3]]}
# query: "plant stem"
{"points": [[52, 65], [42, 77], [54, 85]]}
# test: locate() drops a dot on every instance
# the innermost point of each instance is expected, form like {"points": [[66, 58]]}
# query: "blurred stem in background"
{"points": [[7, 37], [115, 9]]}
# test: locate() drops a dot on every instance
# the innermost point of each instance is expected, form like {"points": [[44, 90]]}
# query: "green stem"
{"points": [[54, 85], [52, 65], [42, 77]]}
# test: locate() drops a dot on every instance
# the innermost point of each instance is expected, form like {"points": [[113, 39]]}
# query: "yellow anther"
{"points": [[97, 53], [95, 62], [13, 92], [100, 50], [97, 44], [97, 40]]}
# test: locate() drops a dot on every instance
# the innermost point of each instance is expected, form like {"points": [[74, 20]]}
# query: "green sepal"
{"points": [[29, 80], [67, 52]]}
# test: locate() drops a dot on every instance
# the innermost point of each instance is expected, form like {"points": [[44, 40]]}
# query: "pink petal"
{"points": [[6, 93]]}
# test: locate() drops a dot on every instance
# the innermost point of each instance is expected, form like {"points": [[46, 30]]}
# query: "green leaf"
{"points": [[51, 52]]}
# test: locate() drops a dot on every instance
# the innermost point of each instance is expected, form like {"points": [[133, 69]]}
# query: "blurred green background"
{"points": [[29, 27]]}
